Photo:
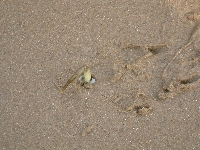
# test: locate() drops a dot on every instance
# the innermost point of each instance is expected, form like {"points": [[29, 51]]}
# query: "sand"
{"points": [[144, 55]]}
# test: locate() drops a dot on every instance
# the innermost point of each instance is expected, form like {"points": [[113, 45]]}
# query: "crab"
{"points": [[84, 75]]}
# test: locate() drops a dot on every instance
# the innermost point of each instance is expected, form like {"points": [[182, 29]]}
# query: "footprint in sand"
{"points": [[183, 71]]}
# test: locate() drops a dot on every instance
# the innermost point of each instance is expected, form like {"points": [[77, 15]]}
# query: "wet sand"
{"points": [[144, 55]]}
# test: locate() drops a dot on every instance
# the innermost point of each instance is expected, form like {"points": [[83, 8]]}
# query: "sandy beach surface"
{"points": [[144, 55]]}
